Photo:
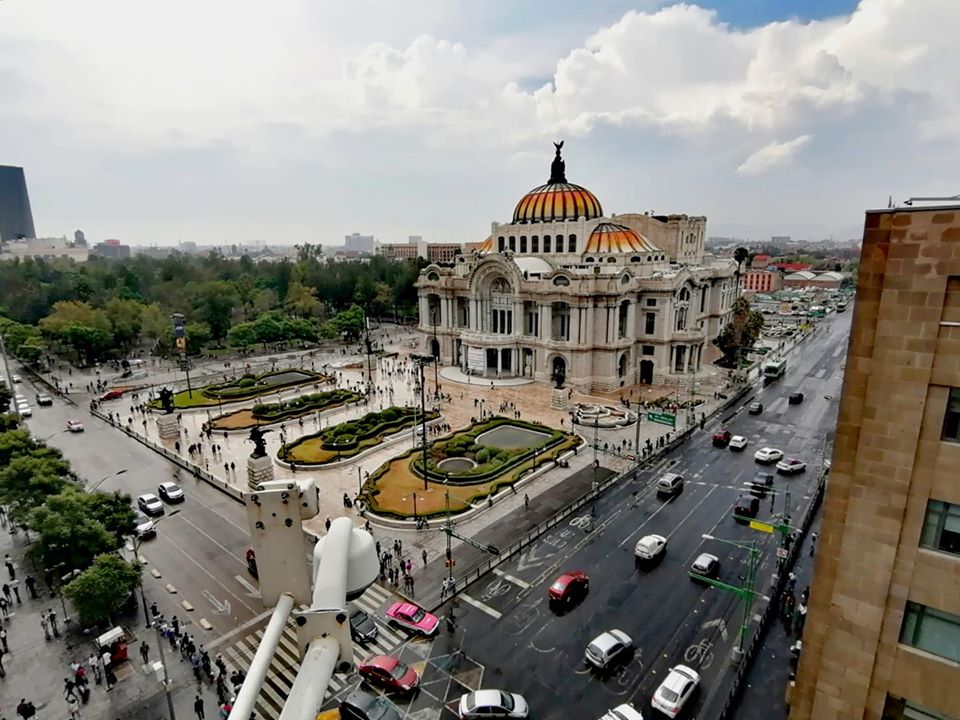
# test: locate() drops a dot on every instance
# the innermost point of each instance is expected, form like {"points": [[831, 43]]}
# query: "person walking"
{"points": [[68, 687], [11, 566], [424, 555], [198, 707], [45, 624], [52, 617], [144, 651], [6, 593], [94, 662], [3, 670], [31, 584], [813, 543], [4, 607], [15, 587], [3, 640]]}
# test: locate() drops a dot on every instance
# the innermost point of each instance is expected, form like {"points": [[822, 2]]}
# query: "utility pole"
{"points": [[636, 440], [596, 448], [448, 530]]}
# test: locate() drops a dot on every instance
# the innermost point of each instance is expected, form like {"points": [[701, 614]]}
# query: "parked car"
{"points": [[360, 705], [747, 506], [389, 673], [171, 492], [608, 648], [761, 484], [362, 627], [569, 587], [767, 455], [738, 442], [669, 484], [650, 547], [145, 528], [74, 426], [795, 398], [413, 618], [791, 466], [706, 565], [622, 712], [722, 439], [150, 504], [755, 408], [492, 704], [677, 687], [44, 399]]}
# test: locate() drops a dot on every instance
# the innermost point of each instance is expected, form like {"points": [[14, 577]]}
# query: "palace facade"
{"points": [[605, 301]]}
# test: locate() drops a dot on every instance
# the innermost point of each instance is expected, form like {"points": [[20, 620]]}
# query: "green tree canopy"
{"points": [[103, 589], [738, 336], [70, 534], [29, 479]]}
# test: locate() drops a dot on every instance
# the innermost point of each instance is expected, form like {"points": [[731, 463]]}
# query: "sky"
{"points": [[296, 121]]}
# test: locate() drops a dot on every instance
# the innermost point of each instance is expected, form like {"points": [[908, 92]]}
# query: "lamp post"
{"points": [[166, 676], [436, 344], [360, 481], [449, 528], [422, 360], [180, 338], [137, 542], [746, 593], [100, 482], [415, 518]]}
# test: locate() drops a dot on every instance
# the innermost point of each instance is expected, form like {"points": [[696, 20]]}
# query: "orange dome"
{"points": [[487, 245], [556, 202], [612, 238]]}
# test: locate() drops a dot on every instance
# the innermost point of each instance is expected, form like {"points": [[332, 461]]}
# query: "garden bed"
{"points": [[266, 414], [246, 387]]}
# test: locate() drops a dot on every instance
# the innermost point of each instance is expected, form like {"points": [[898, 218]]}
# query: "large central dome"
{"points": [[558, 200]]}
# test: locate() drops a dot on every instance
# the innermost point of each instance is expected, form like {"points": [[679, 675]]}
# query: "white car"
{"points": [[24, 409], [623, 712], [607, 648], [150, 504], [738, 442], [493, 704], [146, 528], [16, 379], [650, 547], [675, 690], [790, 466], [768, 455]]}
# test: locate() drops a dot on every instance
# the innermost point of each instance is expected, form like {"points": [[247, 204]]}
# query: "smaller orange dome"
{"points": [[487, 246], [612, 238]]}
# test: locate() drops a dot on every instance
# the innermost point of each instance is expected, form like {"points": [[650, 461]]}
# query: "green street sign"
{"points": [[663, 418]]}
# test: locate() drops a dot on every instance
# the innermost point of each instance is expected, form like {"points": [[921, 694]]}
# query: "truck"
{"points": [[774, 369]]}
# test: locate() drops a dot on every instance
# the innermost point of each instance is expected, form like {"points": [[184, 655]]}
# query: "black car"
{"points": [[795, 398], [363, 706], [755, 408], [747, 507], [761, 484], [362, 627]]}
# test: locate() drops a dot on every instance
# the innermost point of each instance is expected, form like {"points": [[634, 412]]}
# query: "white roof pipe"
{"points": [[312, 680]]}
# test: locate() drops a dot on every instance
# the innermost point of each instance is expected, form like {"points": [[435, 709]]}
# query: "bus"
{"points": [[841, 306], [774, 369]]}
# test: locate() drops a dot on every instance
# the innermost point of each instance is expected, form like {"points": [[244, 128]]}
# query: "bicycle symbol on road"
{"points": [[701, 653], [581, 521], [495, 588]]}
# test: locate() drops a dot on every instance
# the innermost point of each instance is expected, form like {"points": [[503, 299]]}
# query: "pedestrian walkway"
{"points": [[238, 651]]}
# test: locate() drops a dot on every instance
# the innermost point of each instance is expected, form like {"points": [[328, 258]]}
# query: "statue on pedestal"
{"points": [[257, 437], [166, 400]]}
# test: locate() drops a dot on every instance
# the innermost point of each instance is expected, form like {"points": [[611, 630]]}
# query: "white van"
{"points": [[669, 484]]}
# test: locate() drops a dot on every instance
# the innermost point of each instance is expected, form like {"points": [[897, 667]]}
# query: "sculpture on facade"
{"points": [[166, 400], [257, 437], [558, 169]]}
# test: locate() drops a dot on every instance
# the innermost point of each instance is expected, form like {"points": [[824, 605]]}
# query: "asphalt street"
{"points": [[507, 626]]}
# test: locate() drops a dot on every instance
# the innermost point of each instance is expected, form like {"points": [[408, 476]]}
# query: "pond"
{"points": [[289, 376], [510, 437], [456, 464]]}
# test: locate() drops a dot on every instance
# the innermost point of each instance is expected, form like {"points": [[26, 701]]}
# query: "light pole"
{"points": [[137, 542], [58, 432], [449, 528], [422, 360], [166, 675], [180, 338], [360, 480], [436, 344], [746, 593], [100, 482]]}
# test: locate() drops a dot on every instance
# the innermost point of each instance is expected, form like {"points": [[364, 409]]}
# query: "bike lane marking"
{"points": [[481, 606], [515, 580]]}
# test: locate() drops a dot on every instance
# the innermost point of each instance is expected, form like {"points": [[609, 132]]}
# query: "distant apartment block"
{"points": [[46, 248], [763, 281], [356, 242], [443, 252], [16, 218], [399, 251], [111, 249], [882, 637]]}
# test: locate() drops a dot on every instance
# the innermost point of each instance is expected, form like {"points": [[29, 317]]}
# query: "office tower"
{"points": [[16, 220]]}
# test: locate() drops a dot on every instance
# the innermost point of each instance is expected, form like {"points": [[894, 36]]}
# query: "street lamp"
{"points": [[361, 481], [449, 528], [137, 542], [58, 432], [422, 360], [100, 482], [745, 593]]}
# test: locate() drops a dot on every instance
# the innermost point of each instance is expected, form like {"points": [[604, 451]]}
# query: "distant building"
{"points": [[443, 252], [808, 278], [356, 242], [780, 239], [399, 251], [763, 281], [187, 248], [16, 218], [47, 248], [791, 267], [760, 261], [111, 249]]}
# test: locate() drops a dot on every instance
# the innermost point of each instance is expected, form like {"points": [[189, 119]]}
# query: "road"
{"points": [[525, 646], [199, 550]]}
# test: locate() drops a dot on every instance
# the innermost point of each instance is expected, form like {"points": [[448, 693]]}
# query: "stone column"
{"points": [[167, 426], [259, 470]]}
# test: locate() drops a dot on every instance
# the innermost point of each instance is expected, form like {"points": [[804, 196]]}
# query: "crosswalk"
{"points": [[286, 661]]}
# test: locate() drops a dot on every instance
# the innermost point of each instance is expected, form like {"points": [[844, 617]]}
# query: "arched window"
{"points": [[637, 259], [572, 243], [625, 278], [561, 280], [501, 243], [546, 243], [683, 303], [535, 244], [523, 243], [513, 243], [611, 259], [559, 243], [589, 259], [433, 277]]}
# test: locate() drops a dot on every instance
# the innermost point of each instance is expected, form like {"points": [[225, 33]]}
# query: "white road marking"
{"points": [[693, 510], [482, 606], [254, 592], [640, 527], [515, 580]]}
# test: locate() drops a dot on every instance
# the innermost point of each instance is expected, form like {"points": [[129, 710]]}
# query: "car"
{"points": [[251, 557], [170, 491], [623, 712], [608, 648], [791, 466], [44, 399], [747, 506], [412, 618], [677, 687], [755, 408], [738, 442], [650, 547], [706, 565], [492, 704], [761, 484], [150, 504], [389, 673], [767, 455], [722, 438], [24, 409], [359, 705], [669, 484], [362, 627], [74, 426], [569, 587], [145, 527], [795, 398], [16, 379], [112, 395]]}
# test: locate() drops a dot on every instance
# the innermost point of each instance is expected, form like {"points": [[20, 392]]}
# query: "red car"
{"points": [[112, 395], [569, 586], [722, 438], [389, 673], [412, 618]]}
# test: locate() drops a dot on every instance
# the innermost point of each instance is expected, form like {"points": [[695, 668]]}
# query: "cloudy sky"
{"points": [[301, 120]]}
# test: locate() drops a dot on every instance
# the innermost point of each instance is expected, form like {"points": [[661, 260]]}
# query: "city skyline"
{"points": [[436, 118]]}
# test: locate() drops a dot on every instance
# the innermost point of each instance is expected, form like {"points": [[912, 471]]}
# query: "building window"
{"points": [[513, 244], [703, 299], [572, 243], [501, 243], [561, 280], [650, 323], [941, 527], [523, 243], [899, 709], [546, 243], [647, 349], [559, 243], [932, 631], [535, 244], [622, 319], [951, 421], [589, 259], [651, 302]]}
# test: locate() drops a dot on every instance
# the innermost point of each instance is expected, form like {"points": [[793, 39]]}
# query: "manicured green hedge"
{"points": [[295, 407]]}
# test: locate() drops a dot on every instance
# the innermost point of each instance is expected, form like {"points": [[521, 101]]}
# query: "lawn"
{"points": [[243, 388]]}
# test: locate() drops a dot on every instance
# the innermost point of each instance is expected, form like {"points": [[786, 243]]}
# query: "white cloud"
{"points": [[769, 156]]}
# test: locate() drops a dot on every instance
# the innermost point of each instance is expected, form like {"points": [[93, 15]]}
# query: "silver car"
{"points": [[607, 648], [493, 704]]}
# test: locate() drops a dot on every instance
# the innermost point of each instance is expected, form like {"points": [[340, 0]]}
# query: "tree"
{"points": [[214, 303], [126, 321], [302, 301], [347, 324], [5, 398], [243, 335], [115, 512], [738, 336], [84, 328], [154, 322], [740, 255], [70, 535], [30, 479], [102, 589], [198, 336]]}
